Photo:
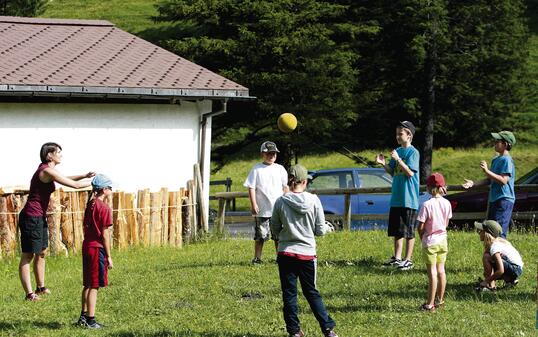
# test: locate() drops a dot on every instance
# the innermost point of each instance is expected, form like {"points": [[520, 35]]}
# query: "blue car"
{"points": [[362, 203]]}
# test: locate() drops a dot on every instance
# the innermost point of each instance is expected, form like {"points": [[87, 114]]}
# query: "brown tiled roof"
{"points": [[88, 56]]}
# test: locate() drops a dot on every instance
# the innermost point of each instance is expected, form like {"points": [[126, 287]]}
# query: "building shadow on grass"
{"points": [[185, 333], [11, 325]]}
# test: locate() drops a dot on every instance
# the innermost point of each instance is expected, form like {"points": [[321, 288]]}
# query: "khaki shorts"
{"points": [[436, 253], [262, 230]]}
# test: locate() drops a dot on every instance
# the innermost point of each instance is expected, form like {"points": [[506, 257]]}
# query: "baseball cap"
{"points": [[268, 147], [435, 180], [101, 181], [408, 125], [507, 136], [299, 173], [490, 226]]}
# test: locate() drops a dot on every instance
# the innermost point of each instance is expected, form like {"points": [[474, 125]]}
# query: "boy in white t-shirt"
{"points": [[433, 220], [266, 182]]}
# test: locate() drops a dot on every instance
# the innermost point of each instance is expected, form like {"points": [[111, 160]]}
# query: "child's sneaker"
{"points": [[81, 321], [393, 261], [42, 291], [510, 284], [257, 260], [439, 304], [330, 333], [297, 334], [94, 325], [32, 297], [406, 265]]}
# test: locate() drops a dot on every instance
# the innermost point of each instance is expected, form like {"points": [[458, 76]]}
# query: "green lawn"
{"points": [[210, 290]]}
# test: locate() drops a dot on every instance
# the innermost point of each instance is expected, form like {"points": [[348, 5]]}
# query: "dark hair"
{"points": [[46, 149]]}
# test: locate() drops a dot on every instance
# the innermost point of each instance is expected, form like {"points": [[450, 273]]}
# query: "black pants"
{"points": [[290, 269]]}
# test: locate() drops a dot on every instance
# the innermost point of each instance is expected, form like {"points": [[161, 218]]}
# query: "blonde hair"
{"points": [[490, 239]]}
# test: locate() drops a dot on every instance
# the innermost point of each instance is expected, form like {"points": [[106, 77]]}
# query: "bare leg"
{"points": [[398, 245], [84, 301], [39, 269], [488, 267], [91, 301], [24, 272], [409, 248], [432, 285], [441, 284], [258, 248]]}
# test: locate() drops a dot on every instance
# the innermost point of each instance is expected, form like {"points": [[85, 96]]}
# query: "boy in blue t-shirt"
{"points": [[404, 168], [501, 179]]}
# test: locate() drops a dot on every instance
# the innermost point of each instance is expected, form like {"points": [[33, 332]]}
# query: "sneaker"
{"points": [[42, 291], [297, 334], [93, 325], [256, 261], [32, 297], [406, 265], [510, 284], [330, 333], [392, 262], [427, 307], [439, 304], [81, 321]]}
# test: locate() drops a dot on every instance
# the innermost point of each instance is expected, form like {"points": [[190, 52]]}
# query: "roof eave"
{"points": [[122, 92]]}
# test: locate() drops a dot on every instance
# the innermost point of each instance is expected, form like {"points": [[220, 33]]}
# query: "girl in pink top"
{"points": [[433, 220], [33, 217]]}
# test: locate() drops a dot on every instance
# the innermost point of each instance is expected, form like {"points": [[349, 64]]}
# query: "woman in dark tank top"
{"points": [[33, 217]]}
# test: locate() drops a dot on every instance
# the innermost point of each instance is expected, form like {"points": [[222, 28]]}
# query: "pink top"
{"points": [[434, 213], [39, 195]]}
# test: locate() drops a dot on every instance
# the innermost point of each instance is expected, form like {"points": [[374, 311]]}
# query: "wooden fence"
{"points": [[347, 217], [146, 219]]}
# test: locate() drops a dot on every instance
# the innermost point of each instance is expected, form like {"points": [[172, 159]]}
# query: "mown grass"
{"points": [[210, 289], [455, 164]]}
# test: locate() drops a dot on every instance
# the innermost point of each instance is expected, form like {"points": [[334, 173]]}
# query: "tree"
{"points": [[22, 7], [283, 51]]}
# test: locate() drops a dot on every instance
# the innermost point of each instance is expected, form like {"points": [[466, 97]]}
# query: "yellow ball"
{"points": [[287, 122]]}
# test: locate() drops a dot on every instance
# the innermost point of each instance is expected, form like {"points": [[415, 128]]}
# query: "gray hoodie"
{"points": [[297, 218]]}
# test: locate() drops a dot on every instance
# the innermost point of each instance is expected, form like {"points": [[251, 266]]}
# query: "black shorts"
{"points": [[402, 222], [34, 233]]}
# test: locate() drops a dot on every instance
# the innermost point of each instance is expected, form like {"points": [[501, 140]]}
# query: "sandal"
{"points": [[32, 297], [427, 307], [439, 304]]}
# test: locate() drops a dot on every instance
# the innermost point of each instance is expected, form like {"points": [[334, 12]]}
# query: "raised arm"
{"points": [[82, 176], [50, 174]]}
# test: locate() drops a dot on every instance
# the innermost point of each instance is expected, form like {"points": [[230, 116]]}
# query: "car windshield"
{"points": [[529, 178]]}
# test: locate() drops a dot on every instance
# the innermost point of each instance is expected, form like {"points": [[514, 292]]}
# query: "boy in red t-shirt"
{"points": [[96, 259]]}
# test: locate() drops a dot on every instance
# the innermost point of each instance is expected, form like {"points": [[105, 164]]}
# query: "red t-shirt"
{"points": [[97, 217], [39, 195]]}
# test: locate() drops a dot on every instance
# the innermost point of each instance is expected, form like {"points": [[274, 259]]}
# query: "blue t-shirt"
{"points": [[503, 165], [405, 190]]}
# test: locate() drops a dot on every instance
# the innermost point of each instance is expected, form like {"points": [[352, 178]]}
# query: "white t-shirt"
{"points": [[268, 182], [435, 214], [506, 250]]}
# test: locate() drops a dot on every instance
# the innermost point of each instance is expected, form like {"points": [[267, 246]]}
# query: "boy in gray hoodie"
{"points": [[297, 218]]}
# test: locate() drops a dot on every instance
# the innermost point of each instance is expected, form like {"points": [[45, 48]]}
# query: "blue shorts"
{"points": [[501, 211], [513, 271]]}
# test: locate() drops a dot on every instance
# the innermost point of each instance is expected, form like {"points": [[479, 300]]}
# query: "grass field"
{"points": [[210, 290]]}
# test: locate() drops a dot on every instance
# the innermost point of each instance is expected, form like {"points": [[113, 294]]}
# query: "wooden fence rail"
{"points": [[347, 217]]}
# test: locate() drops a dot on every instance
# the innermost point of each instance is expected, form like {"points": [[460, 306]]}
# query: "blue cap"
{"points": [[101, 181]]}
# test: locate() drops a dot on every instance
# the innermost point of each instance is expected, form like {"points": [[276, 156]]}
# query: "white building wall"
{"points": [[137, 145]]}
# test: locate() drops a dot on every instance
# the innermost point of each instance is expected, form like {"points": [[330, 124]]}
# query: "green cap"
{"points": [[299, 173], [507, 136], [490, 226]]}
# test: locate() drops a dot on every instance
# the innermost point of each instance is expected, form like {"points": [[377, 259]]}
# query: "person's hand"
{"points": [[394, 155], [380, 159], [467, 184], [90, 174], [110, 264], [254, 209], [484, 165]]}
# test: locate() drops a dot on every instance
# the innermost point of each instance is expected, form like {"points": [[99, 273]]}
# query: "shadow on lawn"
{"points": [[11, 325], [169, 333]]}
